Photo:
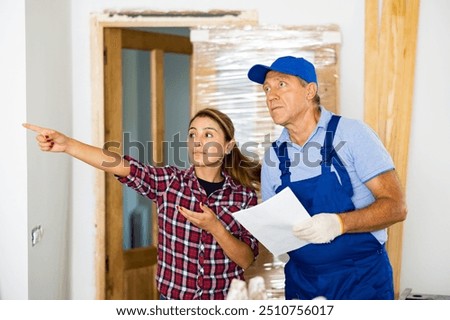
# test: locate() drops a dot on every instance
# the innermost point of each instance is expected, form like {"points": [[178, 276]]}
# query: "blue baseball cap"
{"points": [[299, 67]]}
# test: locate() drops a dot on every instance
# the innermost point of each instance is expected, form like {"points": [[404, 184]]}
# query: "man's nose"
{"points": [[272, 95]]}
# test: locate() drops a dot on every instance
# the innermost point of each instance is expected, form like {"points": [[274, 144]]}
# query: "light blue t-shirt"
{"points": [[357, 145]]}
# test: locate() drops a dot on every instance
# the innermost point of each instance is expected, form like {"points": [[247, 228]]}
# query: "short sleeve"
{"points": [[365, 150]]}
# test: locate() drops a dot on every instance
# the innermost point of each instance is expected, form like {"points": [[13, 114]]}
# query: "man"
{"points": [[344, 177]]}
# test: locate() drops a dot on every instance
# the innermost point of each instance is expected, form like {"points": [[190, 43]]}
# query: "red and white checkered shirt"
{"points": [[191, 264]]}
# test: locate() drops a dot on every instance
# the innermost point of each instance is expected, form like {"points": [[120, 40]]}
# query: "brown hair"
{"points": [[241, 168]]}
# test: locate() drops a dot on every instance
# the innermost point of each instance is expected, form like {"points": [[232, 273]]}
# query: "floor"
{"points": [[272, 270]]}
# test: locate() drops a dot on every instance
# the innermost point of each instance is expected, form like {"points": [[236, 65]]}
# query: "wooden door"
{"points": [[130, 274]]}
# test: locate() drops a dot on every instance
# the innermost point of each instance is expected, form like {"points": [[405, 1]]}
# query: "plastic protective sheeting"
{"points": [[223, 55]]}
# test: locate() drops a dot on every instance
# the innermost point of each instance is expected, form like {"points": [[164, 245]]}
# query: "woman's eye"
{"points": [[191, 135], [208, 135]]}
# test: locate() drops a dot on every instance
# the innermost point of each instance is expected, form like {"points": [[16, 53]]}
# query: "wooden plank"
{"points": [[139, 257], [140, 40], [97, 77], [398, 123], [386, 66], [389, 106], [113, 191], [157, 124], [371, 94], [138, 284], [157, 104], [117, 19]]}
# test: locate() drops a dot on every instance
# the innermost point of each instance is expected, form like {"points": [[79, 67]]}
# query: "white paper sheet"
{"points": [[271, 221]]}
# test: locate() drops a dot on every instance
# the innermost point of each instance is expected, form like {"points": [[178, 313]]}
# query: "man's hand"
{"points": [[320, 228]]}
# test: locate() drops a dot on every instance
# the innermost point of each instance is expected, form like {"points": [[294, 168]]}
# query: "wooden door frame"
{"points": [[130, 266], [140, 19]]}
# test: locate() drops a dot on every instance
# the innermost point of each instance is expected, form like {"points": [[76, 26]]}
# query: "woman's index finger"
{"points": [[33, 127]]}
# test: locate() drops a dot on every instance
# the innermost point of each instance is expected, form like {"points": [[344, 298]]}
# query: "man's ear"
{"points": [[311, 89]]}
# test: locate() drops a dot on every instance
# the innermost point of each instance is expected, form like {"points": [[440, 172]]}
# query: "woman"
{"points": [[201, 248]]}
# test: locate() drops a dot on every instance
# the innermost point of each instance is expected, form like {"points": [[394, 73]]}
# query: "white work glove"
{"points": [[320, 228]]}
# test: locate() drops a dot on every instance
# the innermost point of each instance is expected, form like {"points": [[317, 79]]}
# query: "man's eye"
{"points": [[266, 89], [282, 84]]}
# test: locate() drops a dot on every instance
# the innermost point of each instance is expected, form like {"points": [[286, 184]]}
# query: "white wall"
{"points": [[48, 104], [426, 249], [13, 160], [35, 87], [426, 256]]}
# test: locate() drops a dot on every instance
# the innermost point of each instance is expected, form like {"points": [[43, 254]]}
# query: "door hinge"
{"points": [[105, 57], [107, 264]]}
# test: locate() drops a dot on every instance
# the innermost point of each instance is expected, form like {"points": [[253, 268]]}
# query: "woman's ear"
{"points": [[229, 146]]}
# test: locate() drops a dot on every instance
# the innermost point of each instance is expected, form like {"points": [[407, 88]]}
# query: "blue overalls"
{"points": [[352, 266]]}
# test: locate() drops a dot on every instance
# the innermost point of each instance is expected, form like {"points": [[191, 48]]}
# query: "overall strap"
{"points": [[330, 157], [282, 154]]}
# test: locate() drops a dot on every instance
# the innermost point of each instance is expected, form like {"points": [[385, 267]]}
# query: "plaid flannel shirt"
{"points": [[191, 264]]}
